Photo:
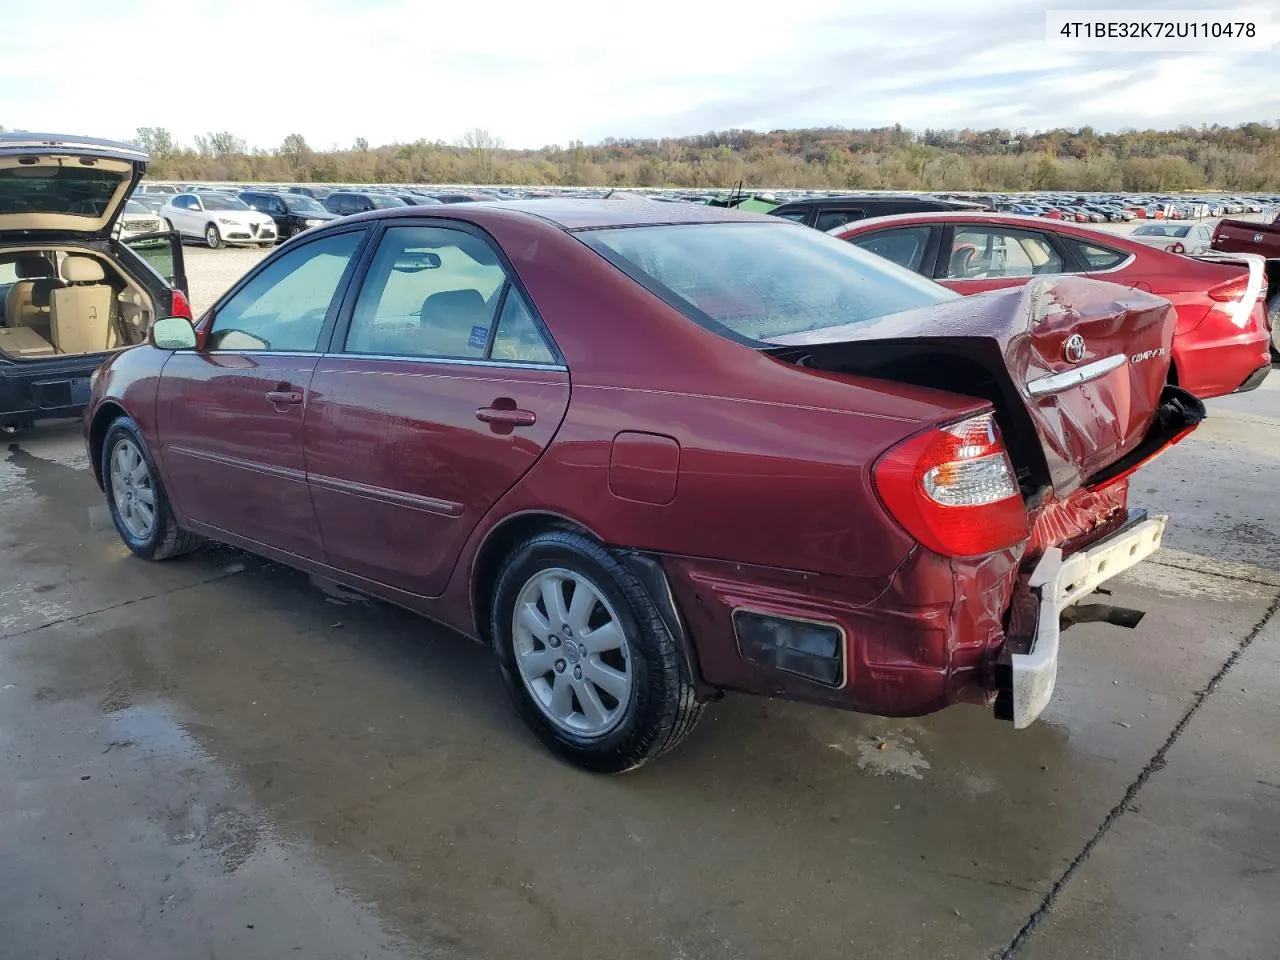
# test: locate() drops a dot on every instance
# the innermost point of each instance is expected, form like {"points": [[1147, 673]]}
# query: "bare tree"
{"points": [[295, 148], [483, 147]]}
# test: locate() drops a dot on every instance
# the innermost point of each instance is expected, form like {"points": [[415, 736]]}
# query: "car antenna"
{"points": [[609, 194]]}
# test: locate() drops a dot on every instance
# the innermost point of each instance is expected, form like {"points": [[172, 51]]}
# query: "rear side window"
{"points": [[755, 281], [904, 246], [429, 292], [1095, 257], [795, 216]]}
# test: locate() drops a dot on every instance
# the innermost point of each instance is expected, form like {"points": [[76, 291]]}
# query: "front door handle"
{"points": [[284, 396]]}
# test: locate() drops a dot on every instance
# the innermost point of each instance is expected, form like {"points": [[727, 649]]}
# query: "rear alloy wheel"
{"points": [[586, 656], [212, 237], [139, 507]]}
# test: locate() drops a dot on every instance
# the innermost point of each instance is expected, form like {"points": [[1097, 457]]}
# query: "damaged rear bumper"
{"points": [[1028, 668]]}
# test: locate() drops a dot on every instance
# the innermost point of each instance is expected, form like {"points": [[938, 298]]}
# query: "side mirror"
{"points": [[172, 333]]}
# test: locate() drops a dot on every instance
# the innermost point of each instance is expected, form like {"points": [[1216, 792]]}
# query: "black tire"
{"points": [[212, 236], [662, 708], [166, 539], [1273, 314]]}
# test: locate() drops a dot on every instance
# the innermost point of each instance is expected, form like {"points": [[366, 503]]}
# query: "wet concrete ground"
{"points": [[214, 758]]}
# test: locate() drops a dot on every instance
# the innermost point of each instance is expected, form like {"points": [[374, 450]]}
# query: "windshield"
{"points": [[214, 202], [382, 201], [133, 206], [756, 281], [301, 204]]}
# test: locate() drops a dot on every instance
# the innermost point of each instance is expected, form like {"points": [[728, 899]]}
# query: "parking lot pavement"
{"points": [[214, 757]]}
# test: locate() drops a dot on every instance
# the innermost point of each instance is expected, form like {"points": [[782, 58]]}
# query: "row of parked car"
{"points": [[264, 215]]}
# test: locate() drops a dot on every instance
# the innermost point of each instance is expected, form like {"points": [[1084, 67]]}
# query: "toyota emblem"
{"points": [[1073, 348]]}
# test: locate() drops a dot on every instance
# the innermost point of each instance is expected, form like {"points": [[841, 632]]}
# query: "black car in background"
{"points": [[827, 213], [343, 203], [292, 212]]}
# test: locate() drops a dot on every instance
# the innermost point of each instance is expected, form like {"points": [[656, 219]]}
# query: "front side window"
{"points": [[429, 292], [904, 246], [991, 253], [285, 305], [756, 281]]}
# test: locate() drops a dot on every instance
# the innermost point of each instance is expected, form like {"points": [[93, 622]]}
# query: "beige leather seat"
{"points": [[81, 312], [27, 304]]}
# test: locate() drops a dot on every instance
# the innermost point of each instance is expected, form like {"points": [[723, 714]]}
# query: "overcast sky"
{"points": [[536, 72]]}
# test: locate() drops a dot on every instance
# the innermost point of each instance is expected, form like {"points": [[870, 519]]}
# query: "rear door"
{"points": [[230, 414], [442, 391], [986, 256]]}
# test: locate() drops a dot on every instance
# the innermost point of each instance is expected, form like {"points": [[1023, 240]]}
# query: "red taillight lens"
{"points": [[954, 489], [181, 305], [1231, 290]]}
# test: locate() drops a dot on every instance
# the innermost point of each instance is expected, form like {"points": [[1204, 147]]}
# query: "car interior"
{"points": [[67, 303]]}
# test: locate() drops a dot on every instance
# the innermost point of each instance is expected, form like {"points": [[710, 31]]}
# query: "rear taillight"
{"points": [[1231, 290], [954, 489], [181, 305]]}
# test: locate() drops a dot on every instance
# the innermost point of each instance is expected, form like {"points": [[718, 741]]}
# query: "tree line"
{"points": [[1244, 158]]}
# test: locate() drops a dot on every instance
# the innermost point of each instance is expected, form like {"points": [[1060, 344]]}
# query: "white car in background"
{"points": [[136, 220], [1189, 238], [218, 219]]}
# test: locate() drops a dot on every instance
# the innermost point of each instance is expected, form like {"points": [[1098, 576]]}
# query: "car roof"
{"points": [[591, 214]]}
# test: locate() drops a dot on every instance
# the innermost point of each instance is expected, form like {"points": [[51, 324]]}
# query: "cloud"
{"points": [[533, 74]]}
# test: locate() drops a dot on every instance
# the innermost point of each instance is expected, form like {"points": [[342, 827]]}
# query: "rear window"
{"points": [[756, 281], [80, 191]]}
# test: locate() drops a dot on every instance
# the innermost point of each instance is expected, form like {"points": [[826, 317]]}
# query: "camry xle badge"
{"points": [[1073, 348], [1147, 355], [1257, 238]]}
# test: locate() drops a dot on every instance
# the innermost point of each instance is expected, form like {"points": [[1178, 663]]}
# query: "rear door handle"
{"points": [[506, 416], [284, 396]]}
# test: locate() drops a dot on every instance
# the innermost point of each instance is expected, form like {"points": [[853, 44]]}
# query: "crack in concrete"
{"points": [[116, 606], [1156, 763]]}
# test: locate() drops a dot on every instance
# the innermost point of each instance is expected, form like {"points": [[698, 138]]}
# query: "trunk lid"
{"points": [[64, 187], [1076, 369]]}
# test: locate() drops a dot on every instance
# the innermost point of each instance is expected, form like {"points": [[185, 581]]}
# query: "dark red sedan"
{"points": [[653, 452], [1222, 343]]}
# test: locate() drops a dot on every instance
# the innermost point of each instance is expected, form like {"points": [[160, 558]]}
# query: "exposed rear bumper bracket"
{"points": [[1025, 680]]}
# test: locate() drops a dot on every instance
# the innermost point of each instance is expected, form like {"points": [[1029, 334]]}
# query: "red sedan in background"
{"points": [[1222, 343], [651, 452]]}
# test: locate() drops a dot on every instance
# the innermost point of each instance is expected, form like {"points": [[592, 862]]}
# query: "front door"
{"points": [[445, 391], [230, 415]]}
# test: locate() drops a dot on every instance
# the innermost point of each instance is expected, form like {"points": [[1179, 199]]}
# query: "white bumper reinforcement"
{"points": [[1058, 583]]}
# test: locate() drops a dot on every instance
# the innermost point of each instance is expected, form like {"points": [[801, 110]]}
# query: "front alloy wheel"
{"points": [[133, 489], [212, 237]]}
